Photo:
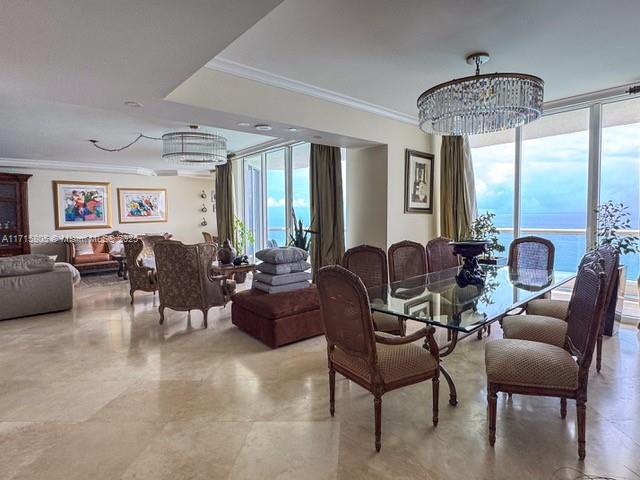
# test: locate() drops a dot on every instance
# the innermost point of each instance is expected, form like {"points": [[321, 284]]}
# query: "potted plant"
{"points": [[300, 237], [611, 218], [243, 236], [483, 228]]}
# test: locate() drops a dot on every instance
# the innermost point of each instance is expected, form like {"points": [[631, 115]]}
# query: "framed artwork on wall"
{"points": [[418, 182], [142, 205], [81, 204]]}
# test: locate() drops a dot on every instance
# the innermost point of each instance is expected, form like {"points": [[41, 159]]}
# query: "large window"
{"points": [[539, 176], [275, 182], [553, 199], [493, 162], [620, 167]]}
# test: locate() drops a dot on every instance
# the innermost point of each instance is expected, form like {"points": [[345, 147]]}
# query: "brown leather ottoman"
{"points": [[278, 318]]}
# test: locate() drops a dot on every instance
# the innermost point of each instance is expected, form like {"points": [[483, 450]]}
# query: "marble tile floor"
{"points": [[104, 392]]}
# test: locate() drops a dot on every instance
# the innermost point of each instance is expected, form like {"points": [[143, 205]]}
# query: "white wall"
{"points": [[366, 197], [226, 93], [183, 200]]}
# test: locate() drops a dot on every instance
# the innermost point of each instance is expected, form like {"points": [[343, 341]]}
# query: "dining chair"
{"points": [[185, 279], [440, 255], [406, 259], [377, 362], [534, 368], [370, 265], [546, 319], [208, 238], [531, 252], [141, 277]]}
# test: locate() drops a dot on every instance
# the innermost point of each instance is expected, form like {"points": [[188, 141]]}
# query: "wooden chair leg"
{"points": [[599, 353], [435, 384], [377, 403], [563, 408], [161, 310], [492, 398], [205, 314], [582, 420], [131, 294], [332, 391]]}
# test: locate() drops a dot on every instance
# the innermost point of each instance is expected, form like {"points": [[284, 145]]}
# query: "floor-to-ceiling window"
{"points": [[494, 165], [536, 179], [275, 183], [620, 168], [553, 192]]}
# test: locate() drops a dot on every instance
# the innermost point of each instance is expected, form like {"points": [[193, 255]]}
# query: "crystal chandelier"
{"points": [[195, 148], [481, 103]]}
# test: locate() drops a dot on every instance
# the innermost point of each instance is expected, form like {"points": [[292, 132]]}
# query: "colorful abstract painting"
{"points": [[81, 205], [142, 205]]}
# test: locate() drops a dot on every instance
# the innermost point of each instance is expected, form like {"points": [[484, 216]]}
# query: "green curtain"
{"points": [[457, 188], [327, 214], [224, 202]]}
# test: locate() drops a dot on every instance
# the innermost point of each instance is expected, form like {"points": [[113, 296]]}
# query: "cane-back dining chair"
{"points": [[406, 259], [534, 368], [370, 265], [534, 253], [440, 255], [375, 361], [546, 319]]}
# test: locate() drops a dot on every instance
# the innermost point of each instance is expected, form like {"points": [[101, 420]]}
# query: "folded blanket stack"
{"points": [[282, 269]]}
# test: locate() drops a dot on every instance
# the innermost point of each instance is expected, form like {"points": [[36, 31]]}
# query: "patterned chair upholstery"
{"points": [[533, 368], [546, 320], [370, 265], [140, 277], [375, 361], [185, 279], [440, 255]]}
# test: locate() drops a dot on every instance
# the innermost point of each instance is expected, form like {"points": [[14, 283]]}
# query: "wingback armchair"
{"points": [[185, 278], [140, 277]]}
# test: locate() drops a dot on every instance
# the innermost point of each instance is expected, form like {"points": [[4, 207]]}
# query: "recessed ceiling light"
{"points": [[133, 104], [292, 129], [243, 124], [263, 127]]}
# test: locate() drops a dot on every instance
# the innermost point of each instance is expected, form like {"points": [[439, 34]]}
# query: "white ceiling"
{"points": [[387, 52], [68, 67]]}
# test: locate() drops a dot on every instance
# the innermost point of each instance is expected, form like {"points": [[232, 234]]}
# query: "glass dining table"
{"points": [[436, 299]]}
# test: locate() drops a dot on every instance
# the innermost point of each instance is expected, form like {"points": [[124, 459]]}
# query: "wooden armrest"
{"points": [[396, 340]]}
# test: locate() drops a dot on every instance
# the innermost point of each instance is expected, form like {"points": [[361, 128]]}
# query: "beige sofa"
{"points": [[33, 284]]}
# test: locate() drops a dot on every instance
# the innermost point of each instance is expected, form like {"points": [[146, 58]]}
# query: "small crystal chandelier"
{"points": [[481, 103], [195, 148]]}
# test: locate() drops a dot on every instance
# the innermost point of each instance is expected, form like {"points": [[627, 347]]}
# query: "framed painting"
{"points": [[418, 182], [142, 205], [81, 204]]}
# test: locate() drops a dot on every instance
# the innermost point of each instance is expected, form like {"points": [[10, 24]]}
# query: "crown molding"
{"points": [[275, 80], [72, 166]]}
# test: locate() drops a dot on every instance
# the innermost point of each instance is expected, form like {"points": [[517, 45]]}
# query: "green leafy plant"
{"points": [[483, 228], [300, 237], [242, 236], [613, 217]]}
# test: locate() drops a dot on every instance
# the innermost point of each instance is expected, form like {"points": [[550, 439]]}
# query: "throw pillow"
{"points": [[282, 255], [84, 248], [283, 268], [116, 247]]}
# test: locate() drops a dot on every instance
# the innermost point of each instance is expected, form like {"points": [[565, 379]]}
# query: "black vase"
{"points": [[471, 273]]}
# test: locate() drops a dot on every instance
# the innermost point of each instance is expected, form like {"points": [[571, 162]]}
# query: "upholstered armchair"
{"points": [[185, 278], [150, 241], [440, 255], [375, 361], [140, 277], [546, 319], [370, 265], [535, 368]]}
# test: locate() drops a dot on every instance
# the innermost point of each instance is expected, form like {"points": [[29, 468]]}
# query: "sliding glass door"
{"points": [[276, 198]]}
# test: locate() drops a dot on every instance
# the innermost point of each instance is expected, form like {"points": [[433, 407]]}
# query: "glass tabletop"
{"points": [[436, 299]]}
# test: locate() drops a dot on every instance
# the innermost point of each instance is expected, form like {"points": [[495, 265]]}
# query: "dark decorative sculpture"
{"points": [[471, 273], [226, 254], [241, 260]]}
